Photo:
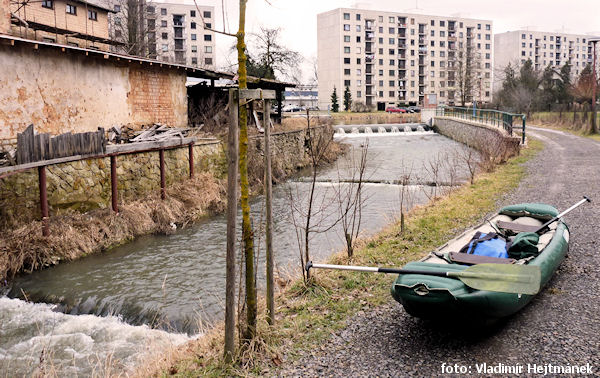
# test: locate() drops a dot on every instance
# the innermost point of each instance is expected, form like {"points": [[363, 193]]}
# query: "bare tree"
{"points": [[349, 195], [129, 26], [468, 73], [405, 197], [271, 58]]}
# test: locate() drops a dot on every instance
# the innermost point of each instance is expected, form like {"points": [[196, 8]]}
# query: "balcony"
{"points": [[452, 39], [402, 26], [421, 40], [402, 45], [422, 51]]}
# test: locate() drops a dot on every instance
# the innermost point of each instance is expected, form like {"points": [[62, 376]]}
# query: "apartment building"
{"points": [[543, 48], [176, 33], [76, 23], [391, 58]]}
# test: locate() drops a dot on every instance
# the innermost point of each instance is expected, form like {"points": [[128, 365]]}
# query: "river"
{"points": [[160, 290]]}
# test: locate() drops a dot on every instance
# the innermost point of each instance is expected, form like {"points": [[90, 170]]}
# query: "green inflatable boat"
{"points": [[430, 297]]}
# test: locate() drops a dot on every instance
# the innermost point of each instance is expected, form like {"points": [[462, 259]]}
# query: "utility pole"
{"points": [[594, 41]]}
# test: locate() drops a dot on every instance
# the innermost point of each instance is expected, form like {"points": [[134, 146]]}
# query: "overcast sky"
{"points": [[298, 19]]}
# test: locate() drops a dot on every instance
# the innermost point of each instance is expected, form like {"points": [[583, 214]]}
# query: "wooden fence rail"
{"points": [[33, 147]]}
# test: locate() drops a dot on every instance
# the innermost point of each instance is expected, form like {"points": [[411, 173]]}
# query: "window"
{"points": [[432, 74], [358, 83], [346, 50], [381, 52], [442, 44], [206, 14], [523, 44], [412, 31], [358, 28], [392, 83], [193, 25], [488, 27], [208, 25], [392, 93], [346, 27], [478, 35], [478, 26], [50, 4], [150, 9], [165, 35], [117, 21], [346, 60], [163, 23], [346, 83], [194, 48], [358, 94], [208, 61], [165, 47], [392, 73], [71, 9], [432, 43], [392, 62], [487, 37], [442, 54], [357, 60], [207, 37], [117, 8], [163, 11], [194, 60], [380, 72], [442, 23], [391, 41], [487, 46], [432, 53], [381, 83], [442, 93], [392, 30], [380, 40], [432, 22], [380, 18], [380, 93], [358, 38], [391, 51], [381, 29], [346, 16], [433, 83], [392, 19], [381, 62], [358, 17], [433, 63], [359, 72], [194, 37], [346, 71], [432, 33], [487, 65], [523, 53], [487, 56], [208, 49], [192, 13], [346, 38]]}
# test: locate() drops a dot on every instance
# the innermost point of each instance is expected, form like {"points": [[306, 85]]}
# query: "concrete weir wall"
{"points": [[487, 139], [63, 91], [85, 185]]}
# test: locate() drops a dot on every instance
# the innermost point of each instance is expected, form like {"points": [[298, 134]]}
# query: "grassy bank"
{"points": [[308, 314], [567, 122]]}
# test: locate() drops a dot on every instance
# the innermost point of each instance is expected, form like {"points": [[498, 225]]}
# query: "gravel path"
{"points": [[560, 326]]}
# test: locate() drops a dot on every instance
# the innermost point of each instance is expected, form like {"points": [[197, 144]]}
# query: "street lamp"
{"points": [[594, 126]]}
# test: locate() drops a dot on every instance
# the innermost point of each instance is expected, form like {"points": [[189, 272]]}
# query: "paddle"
{"points": [[545, 225], [506, 278]]}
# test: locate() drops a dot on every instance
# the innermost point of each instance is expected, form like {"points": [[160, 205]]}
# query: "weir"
{"points": [[381, 128]]}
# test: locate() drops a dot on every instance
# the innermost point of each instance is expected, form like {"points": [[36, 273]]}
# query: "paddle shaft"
{"points": [[376, 270], [459, 274], [545, 225]]}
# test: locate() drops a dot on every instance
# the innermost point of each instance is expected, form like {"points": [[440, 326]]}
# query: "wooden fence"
{"points": [[33, 147]]}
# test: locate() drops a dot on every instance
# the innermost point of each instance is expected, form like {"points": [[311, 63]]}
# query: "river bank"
{"points": [[74, 234], [308, 314]]}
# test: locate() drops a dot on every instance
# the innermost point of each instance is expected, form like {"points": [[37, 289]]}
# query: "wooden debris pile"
{"points": [[154, 133]]}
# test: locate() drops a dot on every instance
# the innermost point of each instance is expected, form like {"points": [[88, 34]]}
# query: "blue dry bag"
{"points": [[490, 244]]}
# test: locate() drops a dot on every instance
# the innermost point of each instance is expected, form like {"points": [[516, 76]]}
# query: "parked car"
{"points": [[414, 109], [393, 109], [291, 108]]}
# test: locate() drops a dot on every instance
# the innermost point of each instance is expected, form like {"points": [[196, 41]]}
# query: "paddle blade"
{"points": [[505, 278]]}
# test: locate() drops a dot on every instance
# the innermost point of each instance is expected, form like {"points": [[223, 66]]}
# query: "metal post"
{"points": [[113, 183], [523, 136], [269, 215], [191, 158], [161, 155], [43, 199]]}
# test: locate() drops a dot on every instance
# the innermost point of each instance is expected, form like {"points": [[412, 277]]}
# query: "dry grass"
{"points": [[74, 235]]}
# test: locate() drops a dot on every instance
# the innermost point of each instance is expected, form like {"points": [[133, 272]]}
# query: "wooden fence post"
{"points": [[191, 158], [269, 216], [232, 196], [43, 199], [113, 183], [161, 155]]}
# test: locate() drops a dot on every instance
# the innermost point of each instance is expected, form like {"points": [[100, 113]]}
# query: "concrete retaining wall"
{"points": [[486, 139], [85, 185]]}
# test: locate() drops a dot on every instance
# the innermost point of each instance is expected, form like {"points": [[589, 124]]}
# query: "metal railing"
{"points": [[486, 116]]}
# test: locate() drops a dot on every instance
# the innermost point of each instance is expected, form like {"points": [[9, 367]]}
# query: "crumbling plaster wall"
{"points": [[66, 91]]}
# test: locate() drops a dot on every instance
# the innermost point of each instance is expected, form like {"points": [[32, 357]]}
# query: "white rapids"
{"points": [[36, 341]]}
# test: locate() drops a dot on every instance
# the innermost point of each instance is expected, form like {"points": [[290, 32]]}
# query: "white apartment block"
{"points": [[176, 33], [390, 58], [543, 48]]}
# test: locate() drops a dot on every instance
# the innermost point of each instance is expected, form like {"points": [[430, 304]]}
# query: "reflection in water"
{"points": [[172, 281]]}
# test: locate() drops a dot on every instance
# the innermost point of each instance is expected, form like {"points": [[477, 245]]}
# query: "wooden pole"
{"points": [[191, 159], [232, 194], [113, 183], [43, 200], [161, 155], [269, 215]]}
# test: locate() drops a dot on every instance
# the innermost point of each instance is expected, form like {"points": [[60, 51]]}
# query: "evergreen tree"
{"points": [[335, 107], [347, 99], [564, 84], [548, 96]]}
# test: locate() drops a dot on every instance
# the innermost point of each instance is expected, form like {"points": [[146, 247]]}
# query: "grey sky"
{"points": [[298, 19]]}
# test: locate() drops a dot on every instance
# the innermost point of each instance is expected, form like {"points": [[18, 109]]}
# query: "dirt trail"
{"points": [[560, 326]]}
